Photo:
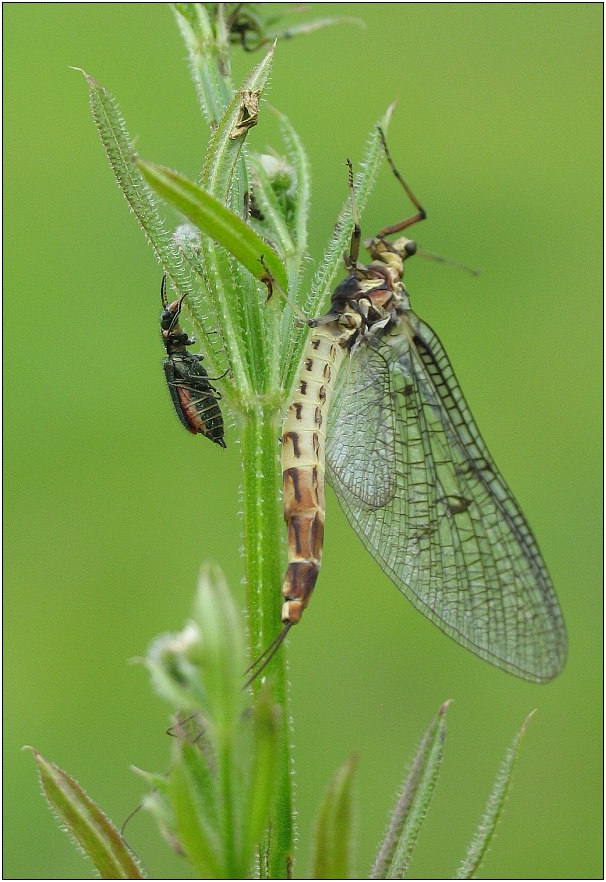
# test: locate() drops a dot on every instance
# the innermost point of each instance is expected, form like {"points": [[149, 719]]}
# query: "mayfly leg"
{"points": [[354, 247], [415, 218], [408, 221], [270, 282]]}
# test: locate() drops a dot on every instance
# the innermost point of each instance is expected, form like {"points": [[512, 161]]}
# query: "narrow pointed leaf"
{"points": [[204, 779], [339, 242], [162, 812], [198, 839], [221, 652], [208, 61], [298, 157], [256, 37], [91, 829], [413, 803], [271, 208], [154, 780], [333, 840], [494, 807], [282, 191], [263, 774], [118, 147], [237, 307], [319, 24], [214, 219], [229, 135]]}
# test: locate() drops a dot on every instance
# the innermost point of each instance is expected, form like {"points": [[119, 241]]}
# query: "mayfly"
{"points": [[194, 398], [378, 407]]}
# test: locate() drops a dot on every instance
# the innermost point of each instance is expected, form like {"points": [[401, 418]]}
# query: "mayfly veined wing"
{"points": [[195, 399], [379, 408]]}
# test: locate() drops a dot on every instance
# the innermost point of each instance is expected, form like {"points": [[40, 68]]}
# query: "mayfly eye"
{"points": [[411, 247]]}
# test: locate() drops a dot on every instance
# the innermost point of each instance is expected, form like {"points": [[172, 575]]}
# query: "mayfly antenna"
{"points": [[430, 255], [356, 235]]}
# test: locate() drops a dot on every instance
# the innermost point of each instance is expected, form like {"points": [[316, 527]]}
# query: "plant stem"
{"points": [[262, 531]]}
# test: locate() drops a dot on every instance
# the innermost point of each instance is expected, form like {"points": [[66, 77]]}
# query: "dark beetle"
{"points": [[194, 397]]}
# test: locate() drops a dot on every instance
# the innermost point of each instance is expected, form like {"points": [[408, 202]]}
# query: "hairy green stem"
{"points": [[263, 525]]}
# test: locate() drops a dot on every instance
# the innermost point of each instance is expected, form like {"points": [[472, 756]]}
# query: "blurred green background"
{"points": [[110, 507]]}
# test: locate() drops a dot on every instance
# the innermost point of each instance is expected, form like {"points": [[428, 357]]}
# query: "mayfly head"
{"points": [[391, 254]]}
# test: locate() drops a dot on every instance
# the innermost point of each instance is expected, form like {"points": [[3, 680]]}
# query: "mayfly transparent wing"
{"points": [[360, 455], [443, 525]]}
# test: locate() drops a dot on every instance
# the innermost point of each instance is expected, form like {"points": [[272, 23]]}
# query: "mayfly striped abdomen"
{"points": [[194, 398], [412, 474], [303, 443]]}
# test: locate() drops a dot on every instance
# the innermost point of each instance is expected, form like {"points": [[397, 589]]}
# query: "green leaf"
{"points": [[221, 652], [250, 29], [413, 803], [119, 149], [199, 840], [333, 837], [208, 59], [300, 163], [228, 137], [492, 813], [161, 810], [214, 219], [237, 309], [91, 829], [154, 780], [204, 777], [267, 200], [317, 24], [282, 192], [363, 186], [263, 781]]}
